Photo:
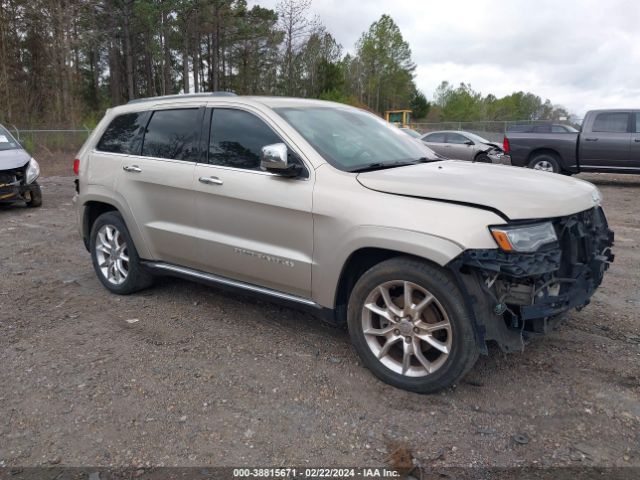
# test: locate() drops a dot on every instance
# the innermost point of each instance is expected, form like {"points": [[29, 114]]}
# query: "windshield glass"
{"points": [[352, 139], [476, 138], [7, 142]]}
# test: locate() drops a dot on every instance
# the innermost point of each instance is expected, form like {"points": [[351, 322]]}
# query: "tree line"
{"points": [[63, 62]]}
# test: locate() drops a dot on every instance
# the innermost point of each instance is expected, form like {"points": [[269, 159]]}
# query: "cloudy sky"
{"points": [[581, 54]]}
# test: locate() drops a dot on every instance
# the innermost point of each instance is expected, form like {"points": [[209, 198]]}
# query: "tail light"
{"points": [[76, 166], [505, 145]]}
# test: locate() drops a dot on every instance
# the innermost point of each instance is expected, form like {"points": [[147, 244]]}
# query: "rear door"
{"points": [[157, 183], [605, 143], [254, 226], [436, 142], [459, 149]]}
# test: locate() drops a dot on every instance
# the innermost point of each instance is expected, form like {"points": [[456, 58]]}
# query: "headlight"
{"points": [[33, 171], [527, 238]]}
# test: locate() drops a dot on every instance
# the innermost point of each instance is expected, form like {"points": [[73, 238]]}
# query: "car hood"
{"points": [[517, 193], [10, 159]]}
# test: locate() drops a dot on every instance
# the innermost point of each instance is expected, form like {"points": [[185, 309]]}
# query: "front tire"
{"points": [[35, 196], [483, 158], [409, 324], [115, 258]]}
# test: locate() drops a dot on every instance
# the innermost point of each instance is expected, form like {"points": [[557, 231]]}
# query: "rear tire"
{"points": [[546, 162], [434, 332], [115, 258], [35, 196]]}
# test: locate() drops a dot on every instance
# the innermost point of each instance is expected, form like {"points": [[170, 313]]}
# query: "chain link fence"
{"points": [[491, 130], [51, 141]]}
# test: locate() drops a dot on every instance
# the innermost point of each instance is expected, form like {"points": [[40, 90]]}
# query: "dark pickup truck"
{"points": [[608, 142]]}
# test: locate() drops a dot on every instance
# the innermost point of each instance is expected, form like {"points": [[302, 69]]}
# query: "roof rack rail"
{"points": [[184, 95]]}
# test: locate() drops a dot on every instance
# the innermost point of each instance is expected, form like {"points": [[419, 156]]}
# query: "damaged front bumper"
{"points": [[514, 296], [12, 186]]}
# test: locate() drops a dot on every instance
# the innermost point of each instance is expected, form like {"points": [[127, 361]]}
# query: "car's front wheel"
{"points": [[408, 321], [115, 258], [34, 199]]}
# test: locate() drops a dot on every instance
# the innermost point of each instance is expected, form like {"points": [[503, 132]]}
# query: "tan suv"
{"points": [[333, 210]]}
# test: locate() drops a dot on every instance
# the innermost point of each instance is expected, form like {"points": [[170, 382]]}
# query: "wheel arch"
{"points": [[95, 203], [544, 150], [92, 210], [363, 258]]}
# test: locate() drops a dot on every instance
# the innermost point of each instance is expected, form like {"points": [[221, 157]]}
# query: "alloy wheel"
{"points": [[543, 165], [112, 254], [406, 328]]}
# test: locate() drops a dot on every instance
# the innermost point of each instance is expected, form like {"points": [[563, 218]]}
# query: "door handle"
{"points": [[637, 140], [210, 180], [132, 168], [591, 139]]}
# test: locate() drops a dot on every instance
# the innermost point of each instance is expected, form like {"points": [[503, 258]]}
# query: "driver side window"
{"points": [[237, 137], [456, 138]]}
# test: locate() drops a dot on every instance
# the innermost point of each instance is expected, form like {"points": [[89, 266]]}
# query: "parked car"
{"points": [[609, 142], [18, 173], [330, 209], [464, 146], [541, 128]]}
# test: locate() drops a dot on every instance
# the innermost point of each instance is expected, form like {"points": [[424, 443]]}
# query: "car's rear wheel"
{"points": [[34, 199], [546, 162], [115, 258], [408, 322]]}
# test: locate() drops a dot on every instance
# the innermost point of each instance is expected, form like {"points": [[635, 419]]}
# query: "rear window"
{"points": [[613, 122], [121, 136], [173, 134]]}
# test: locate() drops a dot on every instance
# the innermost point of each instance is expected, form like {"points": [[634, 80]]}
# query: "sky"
{"points": [[580, 54]]}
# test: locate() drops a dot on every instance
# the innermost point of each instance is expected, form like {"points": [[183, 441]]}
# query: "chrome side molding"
{"points": [[188, 273]]}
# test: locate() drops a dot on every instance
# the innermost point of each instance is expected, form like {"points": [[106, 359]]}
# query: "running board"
{"points": [[159, 268]]}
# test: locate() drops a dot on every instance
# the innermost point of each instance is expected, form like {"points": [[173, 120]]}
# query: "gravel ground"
{"points": [[186, 375]]}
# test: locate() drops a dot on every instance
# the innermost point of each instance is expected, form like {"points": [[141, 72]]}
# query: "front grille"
{"points": [[585, 243]]}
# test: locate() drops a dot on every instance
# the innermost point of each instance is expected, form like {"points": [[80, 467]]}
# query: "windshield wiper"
{"points": [[381, 166]]}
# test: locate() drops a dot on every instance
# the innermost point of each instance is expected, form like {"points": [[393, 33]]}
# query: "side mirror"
{"points": [[469, 142], [274, 159]]}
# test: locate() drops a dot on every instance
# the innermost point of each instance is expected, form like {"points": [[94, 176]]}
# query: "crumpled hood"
{"points": [[10, 159], [518, 193]]}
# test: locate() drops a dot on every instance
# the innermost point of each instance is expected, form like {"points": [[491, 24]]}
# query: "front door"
{"points": [[460, 148], [254, 226], [606, 144], [157, 184], [634, 153]]}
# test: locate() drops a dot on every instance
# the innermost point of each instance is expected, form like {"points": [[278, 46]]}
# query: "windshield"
{"points": [[352, 139], [476, 138], [7, 142]]}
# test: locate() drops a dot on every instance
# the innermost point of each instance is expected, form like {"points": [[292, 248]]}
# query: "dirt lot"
{"points": [[186, 375]]}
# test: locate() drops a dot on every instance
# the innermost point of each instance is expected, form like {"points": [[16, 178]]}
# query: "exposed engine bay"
{"points": [[517, 295]]}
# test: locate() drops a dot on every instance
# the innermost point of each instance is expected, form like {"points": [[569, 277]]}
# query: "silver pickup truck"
{"points": [[608, 142]]}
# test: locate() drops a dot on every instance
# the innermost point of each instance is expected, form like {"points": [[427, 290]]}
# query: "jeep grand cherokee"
{"points": [[332, 209]]}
